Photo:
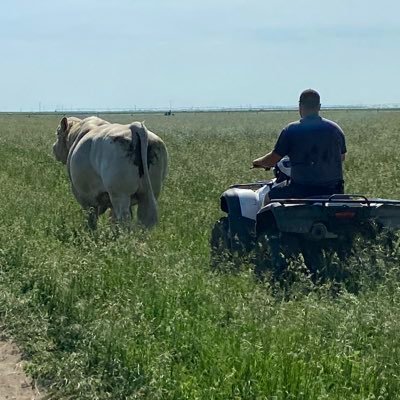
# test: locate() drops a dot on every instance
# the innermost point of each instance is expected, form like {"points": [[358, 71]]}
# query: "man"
{"points": [[316, 148]]}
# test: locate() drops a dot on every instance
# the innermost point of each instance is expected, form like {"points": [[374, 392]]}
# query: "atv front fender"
{"points": [[266, 221], [241, 228]]}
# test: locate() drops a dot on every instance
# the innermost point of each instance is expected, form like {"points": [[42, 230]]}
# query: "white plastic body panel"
{"points": [[251, 201]]}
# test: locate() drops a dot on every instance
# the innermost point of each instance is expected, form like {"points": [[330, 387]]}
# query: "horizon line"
{"points": [[249, 108]]}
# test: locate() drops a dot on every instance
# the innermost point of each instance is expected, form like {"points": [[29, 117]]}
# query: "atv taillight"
{"points": [[345, 214]]}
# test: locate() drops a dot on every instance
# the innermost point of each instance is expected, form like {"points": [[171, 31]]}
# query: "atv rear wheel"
{"points": [[262, 256], [269, 255], [314, 257], [327, 260]]}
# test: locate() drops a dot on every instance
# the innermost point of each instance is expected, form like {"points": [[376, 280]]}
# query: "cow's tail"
{"points": [[147, 205]]}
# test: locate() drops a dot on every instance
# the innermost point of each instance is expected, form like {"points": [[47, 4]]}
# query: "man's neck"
{"points": [[310, 114]]}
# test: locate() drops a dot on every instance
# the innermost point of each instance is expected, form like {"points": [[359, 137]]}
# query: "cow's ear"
{"points": [[64, 124]]}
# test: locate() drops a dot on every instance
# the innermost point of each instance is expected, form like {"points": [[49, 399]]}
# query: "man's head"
{"points": [[309, 103]]}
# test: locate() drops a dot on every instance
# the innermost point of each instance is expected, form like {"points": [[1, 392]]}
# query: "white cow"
{"points": [[113, 166]]}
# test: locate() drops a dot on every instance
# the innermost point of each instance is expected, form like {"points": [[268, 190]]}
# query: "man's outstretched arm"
{"points": [[267, 161]]}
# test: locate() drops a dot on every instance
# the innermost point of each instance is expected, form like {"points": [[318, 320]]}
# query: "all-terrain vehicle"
{"points": [[314, 227]]}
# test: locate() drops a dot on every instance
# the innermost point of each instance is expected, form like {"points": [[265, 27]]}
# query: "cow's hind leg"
{"points": [[147, 213], [92, 215], [90, 210], [121, 208]]}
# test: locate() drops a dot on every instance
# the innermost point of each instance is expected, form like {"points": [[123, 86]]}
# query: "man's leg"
{"points": [[296, 191], [291, 191]]}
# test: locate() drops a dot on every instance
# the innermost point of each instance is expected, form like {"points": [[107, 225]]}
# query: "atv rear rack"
{"points": [[338, 198]]}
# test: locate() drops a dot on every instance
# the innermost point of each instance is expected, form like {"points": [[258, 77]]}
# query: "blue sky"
{"points": [[226, 53]]}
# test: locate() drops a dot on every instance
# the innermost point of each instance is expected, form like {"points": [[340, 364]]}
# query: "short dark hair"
{"points": [[310, 98]]}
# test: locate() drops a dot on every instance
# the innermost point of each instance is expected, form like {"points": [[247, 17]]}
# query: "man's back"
{"points": [[315, 146]]}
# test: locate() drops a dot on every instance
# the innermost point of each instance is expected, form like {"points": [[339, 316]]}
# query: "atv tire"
{"points": [[270, 256], [221, 244]]}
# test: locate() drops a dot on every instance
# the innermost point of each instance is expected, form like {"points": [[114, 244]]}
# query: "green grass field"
{"points": [[142, 316]]}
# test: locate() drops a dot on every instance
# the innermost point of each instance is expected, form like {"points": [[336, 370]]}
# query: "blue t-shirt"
{"points": [[315, 146]]}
